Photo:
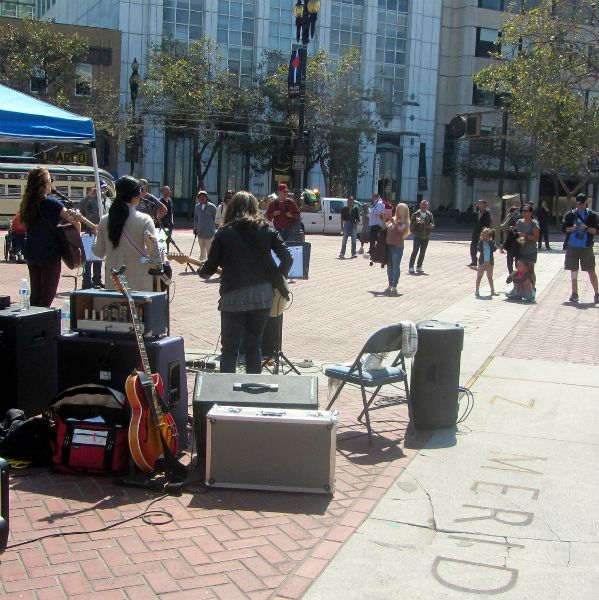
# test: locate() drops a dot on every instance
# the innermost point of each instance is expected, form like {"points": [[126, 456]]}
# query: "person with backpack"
{"points": [[284, 213]]}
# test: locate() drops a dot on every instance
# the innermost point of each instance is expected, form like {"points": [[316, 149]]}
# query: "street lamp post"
{"points": [[306, 13], [134, 88], [504, 98]]}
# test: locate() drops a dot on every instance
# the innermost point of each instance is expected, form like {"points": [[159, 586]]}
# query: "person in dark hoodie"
{"points": [[242, 249]]}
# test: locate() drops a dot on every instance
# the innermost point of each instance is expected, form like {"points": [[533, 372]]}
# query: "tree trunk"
{"points": [[326, 176]]}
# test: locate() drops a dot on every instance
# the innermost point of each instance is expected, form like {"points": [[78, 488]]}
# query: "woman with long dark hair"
{"points": [[123, 235], [41, 214], [242, 249]]}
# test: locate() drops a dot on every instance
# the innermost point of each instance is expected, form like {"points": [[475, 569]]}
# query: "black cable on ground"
{"points": [[147, 516], [469, 403]]}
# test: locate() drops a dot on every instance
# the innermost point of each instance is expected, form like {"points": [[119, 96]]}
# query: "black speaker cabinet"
{"points": [[436, 374], [28, 358], [86, 359]]}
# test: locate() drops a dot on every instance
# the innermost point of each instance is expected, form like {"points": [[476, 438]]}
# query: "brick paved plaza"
{"points": [[241, 544]]}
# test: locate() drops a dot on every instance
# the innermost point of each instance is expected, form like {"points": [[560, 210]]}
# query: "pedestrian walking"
{"points": [[350, 217], [580, 226], [486, 249], [421, 224], [398, 229], [483, 220], [365, 231], [542, 214], [204, 223], [375, 220], [510, 241]]}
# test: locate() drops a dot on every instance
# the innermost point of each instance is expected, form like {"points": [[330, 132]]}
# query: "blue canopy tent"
{"points": [[25, 118]]}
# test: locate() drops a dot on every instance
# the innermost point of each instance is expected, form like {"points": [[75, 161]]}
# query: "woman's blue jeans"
{"points": [[235, 326], [394, 254]]}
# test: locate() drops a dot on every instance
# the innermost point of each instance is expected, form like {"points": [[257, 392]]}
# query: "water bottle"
{"points": [[24, 294], [65, 317]]}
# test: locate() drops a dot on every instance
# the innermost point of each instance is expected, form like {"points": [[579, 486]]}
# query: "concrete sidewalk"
{"points": [[505, 503]]}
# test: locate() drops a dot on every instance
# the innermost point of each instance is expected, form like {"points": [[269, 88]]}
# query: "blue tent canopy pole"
{"points": [[25, 118]]}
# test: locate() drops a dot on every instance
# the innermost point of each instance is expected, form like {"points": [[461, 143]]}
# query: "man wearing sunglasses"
{"points": [[580, 226]]}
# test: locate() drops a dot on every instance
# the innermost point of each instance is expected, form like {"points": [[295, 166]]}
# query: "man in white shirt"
{"points": [[375, 219]]}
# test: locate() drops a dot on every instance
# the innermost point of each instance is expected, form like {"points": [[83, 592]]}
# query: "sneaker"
{"points": [[412, 271], [509, 279], [573, 298], [472, 265], [354, 256], [361, 251], [342, 256], [596, 299], [388, 290], [477, 294], [394, 291], [419, 270]]}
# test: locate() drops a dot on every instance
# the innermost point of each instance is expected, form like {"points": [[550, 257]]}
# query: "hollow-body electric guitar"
{"points": [[153, 438]]}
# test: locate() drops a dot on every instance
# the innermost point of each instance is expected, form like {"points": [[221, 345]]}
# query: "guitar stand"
{"points": [[170, 240], [137, 479]]}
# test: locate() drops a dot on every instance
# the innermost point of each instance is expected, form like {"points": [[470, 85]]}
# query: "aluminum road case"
{"points": [[241, 389], [286, 450]]}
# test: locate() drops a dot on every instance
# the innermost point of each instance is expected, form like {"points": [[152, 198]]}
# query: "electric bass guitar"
{"points": [[183, 259], [153, 438]]}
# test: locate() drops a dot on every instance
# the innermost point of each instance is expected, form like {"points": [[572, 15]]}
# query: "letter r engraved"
{"points": [[503, 488]]}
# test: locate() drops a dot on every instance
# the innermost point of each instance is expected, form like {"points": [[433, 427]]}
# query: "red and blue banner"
{"points": [[295, 73]]}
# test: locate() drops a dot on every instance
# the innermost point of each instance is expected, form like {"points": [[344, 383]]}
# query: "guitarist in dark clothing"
{"points": [[242, 248], [484, 220]]}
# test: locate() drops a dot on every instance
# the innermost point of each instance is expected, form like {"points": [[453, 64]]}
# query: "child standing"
{"points": [[486, 248]]}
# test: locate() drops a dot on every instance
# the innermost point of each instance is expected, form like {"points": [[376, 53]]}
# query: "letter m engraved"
{"points": [[510, 462]]}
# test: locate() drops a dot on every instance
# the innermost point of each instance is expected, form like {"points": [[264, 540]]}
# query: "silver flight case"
{"points": [[287, 450]]}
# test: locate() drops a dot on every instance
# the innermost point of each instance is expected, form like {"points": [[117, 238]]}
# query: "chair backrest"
{"points": [[386, 339]]}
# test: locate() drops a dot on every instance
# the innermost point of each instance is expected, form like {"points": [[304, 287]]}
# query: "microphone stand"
{"points": [[170, 240]]}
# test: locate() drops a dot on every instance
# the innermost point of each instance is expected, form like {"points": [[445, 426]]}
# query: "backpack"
{"points": [[379, 252], [26, 439]]}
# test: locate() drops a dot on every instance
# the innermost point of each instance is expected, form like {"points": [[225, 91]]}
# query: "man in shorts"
{"points": [[580, 225]]}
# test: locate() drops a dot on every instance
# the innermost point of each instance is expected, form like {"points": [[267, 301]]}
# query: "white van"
{"points": [[327, 219]]}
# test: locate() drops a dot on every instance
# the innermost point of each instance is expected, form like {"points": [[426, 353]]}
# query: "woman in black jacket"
{"points": [[242, 249]]}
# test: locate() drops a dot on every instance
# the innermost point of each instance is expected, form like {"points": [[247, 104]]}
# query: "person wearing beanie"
{"points": [[122, 237]]}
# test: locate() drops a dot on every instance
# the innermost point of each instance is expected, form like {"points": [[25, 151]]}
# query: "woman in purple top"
{"points": [[41, 213]]}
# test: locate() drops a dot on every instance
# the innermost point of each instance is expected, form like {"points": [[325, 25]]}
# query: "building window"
{"points": [[485, 42], [491, 4], [390, 55], [97, 55], [38, 82], [483, 97], [235, 36], [183, 19], [347, 19], [281, 28], [83, 80]]}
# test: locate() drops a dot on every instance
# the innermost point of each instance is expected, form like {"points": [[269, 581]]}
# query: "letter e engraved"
{"points": [[508, 459], [523, 404], [503, 489], [526, 517], [513, 576]]}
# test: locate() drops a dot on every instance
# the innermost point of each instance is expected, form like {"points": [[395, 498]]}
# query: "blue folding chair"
{"points": [[385, 340]]}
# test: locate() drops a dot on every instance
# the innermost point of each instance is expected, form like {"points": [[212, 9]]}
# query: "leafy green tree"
{"points": [[188, 93], [339, 118], [39, 50], [551, 80]]}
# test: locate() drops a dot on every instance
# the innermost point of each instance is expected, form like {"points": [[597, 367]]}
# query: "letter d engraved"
{"points": [[458, 574]]}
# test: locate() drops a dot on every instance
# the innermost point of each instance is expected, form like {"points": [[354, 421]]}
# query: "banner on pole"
{"points": [[295, 74]]}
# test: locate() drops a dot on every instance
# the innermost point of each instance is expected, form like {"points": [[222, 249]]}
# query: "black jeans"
{"points": [[419, 244], [473, 252], [235, 326], [92, 273], [544, 235], [374, 236]]}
